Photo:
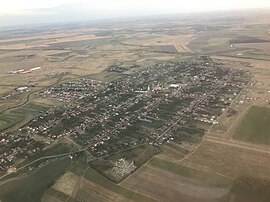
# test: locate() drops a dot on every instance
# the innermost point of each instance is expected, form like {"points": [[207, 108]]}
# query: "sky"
{"points": [[13, 12]]}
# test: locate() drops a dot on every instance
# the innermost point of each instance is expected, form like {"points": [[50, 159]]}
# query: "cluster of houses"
{"points": [[71, 91], [108, 117], [14, 147]]}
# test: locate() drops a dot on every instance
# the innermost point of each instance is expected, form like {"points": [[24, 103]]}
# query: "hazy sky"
{"points": [[34, 11]]}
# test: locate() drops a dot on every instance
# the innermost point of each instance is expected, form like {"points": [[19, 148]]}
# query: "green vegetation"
{"points": [[138, 155], [202, 177], [247, 189], [92, 175], [59, 148], [141, 38], [216, 44], [19, 116], [32, 187], [79, 164], [20, 42], [251, 53], [255, 126], [57, 194], [86, 196], [106, 76], [85, 43], [177, 147], [188, 134]]}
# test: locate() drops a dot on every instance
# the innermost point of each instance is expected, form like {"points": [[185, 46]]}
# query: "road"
{"points": [[238, 144], [70, 153], [198, 102], [158, 138], [44, 158]]}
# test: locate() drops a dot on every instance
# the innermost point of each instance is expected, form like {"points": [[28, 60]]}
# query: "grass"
{"points": [[59, 148], [19, 116], [255, 126], [138, 155], [85, 196], [95, 177], [79, 165], [85, 43], [32, 187], [247, 189], [20, 42], [105, 76], [251, 54], [57, 194], [203, 177], [177, 147]]}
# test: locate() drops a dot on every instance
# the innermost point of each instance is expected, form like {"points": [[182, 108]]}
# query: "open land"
{"points": [[137, 111]]}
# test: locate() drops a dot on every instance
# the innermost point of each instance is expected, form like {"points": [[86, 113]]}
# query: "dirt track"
{"points": [[239, 144]]}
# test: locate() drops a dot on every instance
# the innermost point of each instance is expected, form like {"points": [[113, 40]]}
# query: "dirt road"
{"points": [[239, 144]]}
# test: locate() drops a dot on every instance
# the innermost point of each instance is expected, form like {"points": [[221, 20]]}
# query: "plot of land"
{"points": [[93, 176], [67, 183], [43, 42], [167, 183], [255, 126], [32, 187], [180, 42], [264, 48], [230, 159]]}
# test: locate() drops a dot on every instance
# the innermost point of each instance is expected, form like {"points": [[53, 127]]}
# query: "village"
{"points": [[169, 101]]}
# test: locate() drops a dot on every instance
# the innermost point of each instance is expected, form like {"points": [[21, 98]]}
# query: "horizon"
{"points": [[29, 12]]}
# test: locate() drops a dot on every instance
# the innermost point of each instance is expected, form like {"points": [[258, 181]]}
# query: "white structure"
{"points": [[174, 86], [35, 68], [23, 88]]}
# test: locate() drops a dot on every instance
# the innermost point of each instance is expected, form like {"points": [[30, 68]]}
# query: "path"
{"points": [[239, 144]]}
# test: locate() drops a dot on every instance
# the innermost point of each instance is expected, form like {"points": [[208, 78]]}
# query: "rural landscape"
{"points": [[168, 108]]}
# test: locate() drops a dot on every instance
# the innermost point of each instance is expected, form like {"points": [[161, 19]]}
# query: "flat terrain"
{"points": [[219, 156], [227, 161], [64, 56], [172, 186], [32, 187], [255, 126], [219, 153]]}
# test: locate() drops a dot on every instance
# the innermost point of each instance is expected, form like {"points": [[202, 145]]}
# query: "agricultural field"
{"points": [[63, 56], [32, 187], [143, 111], [166, 180], [20, 116], [255, 126]]}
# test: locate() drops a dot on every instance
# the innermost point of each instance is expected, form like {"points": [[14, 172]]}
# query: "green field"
{"points": [[202, 177], [19, 116], [56, 194], [32, 187], [79, 165], [85, 196], [85, 43], [105, 76], [248, 189], [255, 127]]}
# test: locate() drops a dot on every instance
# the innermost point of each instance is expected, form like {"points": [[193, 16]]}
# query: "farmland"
{"points": [[22, 189], [164, 182], [175, 109], [255, 126]]}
